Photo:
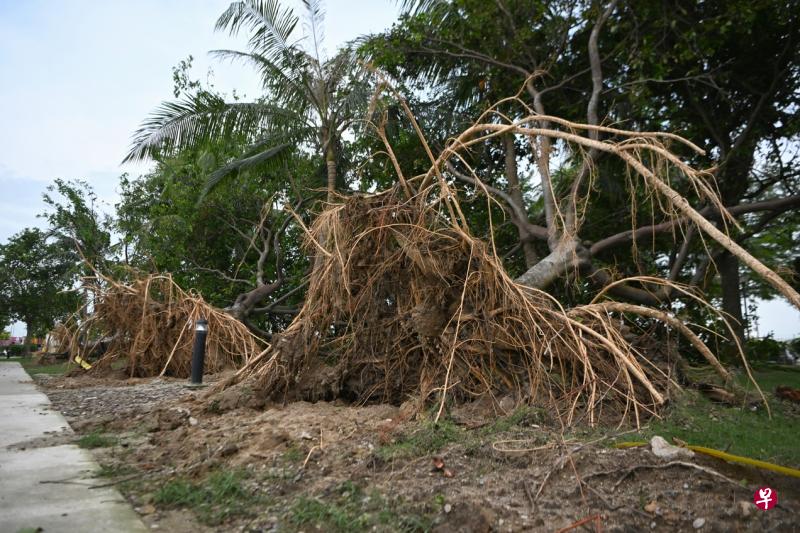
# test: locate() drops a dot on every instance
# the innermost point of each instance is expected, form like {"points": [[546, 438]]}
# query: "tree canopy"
{"points": [[35, 281]]}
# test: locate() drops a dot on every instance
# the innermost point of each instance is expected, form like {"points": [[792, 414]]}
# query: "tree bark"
{"points": [[562, 259], [330, 161], [26, 347], [730, 280], [246, 302], [515, 189]]}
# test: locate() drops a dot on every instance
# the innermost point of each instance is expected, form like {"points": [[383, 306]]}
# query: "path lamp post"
{"points": [[199, 351]]}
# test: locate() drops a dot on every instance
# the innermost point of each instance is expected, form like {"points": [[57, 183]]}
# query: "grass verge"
{"points": [[214, 499], [348, 508], [32, 368], [96, 439], [737, 430]]}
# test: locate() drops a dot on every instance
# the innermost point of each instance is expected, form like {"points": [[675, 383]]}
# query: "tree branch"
{"points": [[518, 215], [774, 204]]}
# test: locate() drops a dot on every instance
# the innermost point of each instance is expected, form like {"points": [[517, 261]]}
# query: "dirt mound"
{"points": [[374, 467]]}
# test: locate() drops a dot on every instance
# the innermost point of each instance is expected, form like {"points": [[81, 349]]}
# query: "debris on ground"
{"points": [[661, 448], [378, 464], [787, 393]]}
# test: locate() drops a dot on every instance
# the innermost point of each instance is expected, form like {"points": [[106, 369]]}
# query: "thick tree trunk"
{"points": [[734, 180], [562, 259], [246, 302], [330, 161], [26, 347], [731, 293], [514, 188]]}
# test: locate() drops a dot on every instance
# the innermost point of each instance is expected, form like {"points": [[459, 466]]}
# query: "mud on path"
{"points": [[190, 465]]}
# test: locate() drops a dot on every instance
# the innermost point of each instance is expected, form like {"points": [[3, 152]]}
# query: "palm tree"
{"points": [[309, 101]]}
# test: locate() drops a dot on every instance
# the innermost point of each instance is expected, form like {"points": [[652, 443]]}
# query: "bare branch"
{"points": [[775, 204]]}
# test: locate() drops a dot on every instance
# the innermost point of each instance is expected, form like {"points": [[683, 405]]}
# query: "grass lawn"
{"points": [[32, 368], [737, 430]]}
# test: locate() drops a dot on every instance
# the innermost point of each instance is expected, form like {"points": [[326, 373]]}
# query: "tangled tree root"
{"points": [[402, 304], [149, 324]]}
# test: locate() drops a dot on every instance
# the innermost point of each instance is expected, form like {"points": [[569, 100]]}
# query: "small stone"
{"points": [[147, 509], [661, 448], [192, 421], [507, 405], [229, 449], [698, 523], [652, 525], [685, 485], [746, 509], [305, 435], [448, 508], [651, 507]]}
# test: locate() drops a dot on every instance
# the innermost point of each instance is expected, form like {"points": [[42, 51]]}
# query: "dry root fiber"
{"points": [[149, 324], [402, 303]]}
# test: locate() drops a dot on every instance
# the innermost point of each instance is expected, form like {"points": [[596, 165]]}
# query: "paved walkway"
{"points": [[45, 486]]}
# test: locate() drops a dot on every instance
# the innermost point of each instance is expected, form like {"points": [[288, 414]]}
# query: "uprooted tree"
{"points": [[403, 301], [696, 69], [419, 290]]}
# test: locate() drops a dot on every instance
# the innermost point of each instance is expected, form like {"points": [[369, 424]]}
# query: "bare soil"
{"points": [[338, 467]]}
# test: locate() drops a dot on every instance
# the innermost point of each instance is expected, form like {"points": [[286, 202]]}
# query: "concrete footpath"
{"points": [[44, 487]]}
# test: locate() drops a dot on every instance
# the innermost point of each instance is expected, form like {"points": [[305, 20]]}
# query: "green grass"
{"points": [[349, 508], [52, 370], [96, 439], [428, 438], [740, 431], [293, 453], [115, 471], [523, 416], [219, 496], [769, 377]]}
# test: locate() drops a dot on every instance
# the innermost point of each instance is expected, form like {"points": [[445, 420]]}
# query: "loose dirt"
{"points": [[337, 467]]}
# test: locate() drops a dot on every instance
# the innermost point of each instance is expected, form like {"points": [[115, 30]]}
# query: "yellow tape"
{"points": [[727, 457], [84, 364]]}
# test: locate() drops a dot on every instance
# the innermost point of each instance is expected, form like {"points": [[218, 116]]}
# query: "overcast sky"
{"points": [[77, 77]]}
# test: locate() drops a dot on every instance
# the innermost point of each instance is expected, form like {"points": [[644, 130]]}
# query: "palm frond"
{"points": [[351, 106], [193, 121], [242, 163], [415, 7], [276, 77], [315, 20], [270, 24]]}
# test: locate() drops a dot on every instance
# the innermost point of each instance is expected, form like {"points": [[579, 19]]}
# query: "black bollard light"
{"points": [[199, 351]]}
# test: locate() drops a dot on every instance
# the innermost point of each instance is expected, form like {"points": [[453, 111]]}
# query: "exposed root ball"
{"points": [[149, 324], [403, 303]]}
